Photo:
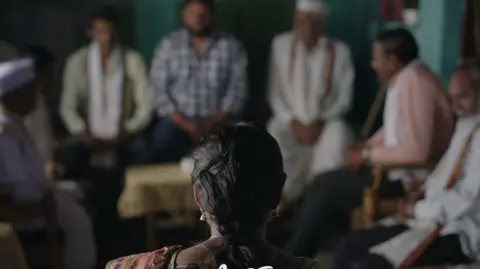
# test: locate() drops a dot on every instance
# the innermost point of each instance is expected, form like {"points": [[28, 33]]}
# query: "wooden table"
{"points": [[11, 252], [157, 188]]}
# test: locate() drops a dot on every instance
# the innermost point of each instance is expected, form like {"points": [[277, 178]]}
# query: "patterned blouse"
{"points": [[159, 259], [166, 258]]}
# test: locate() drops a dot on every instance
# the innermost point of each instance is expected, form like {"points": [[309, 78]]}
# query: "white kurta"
{"points": [[303, 104], [40, 128], [22, 173], [457, 208]]}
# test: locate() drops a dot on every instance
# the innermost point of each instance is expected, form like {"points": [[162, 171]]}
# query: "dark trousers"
{"points": [[170, 142], [75, 156], [354, 250], [327, 206]]}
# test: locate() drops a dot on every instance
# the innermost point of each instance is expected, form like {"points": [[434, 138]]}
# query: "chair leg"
{"points": [[150, 220], [368, 208]]}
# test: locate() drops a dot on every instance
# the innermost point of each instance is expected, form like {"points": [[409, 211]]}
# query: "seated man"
{"points": [[106, 100], [418, 123], [309, 102], [200, 78], [450, 199], [22, 169]]}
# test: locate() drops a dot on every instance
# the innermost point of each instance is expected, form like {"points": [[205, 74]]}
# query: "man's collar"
{"points": [[410, 65]]}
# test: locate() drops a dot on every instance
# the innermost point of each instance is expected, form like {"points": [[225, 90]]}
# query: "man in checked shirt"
{"points": [[200, 80]]}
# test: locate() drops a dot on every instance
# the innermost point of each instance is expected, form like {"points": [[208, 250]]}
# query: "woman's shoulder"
{"points": [[158, 259]]}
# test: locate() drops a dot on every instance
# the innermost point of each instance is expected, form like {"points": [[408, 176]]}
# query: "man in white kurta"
{"points": [[310, 91], [22, 168], [456, 209]]}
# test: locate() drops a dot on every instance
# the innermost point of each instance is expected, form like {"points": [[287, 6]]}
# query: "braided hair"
{"points": [[238, 178]]}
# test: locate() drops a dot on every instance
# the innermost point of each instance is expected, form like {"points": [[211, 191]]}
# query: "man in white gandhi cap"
{"points": [[310, 91], [22, 168]]}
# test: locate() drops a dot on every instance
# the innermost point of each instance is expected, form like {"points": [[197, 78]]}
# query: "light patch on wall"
{"points": [[411, 12]]}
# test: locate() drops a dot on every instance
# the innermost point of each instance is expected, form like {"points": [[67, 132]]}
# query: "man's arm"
{"points": [[160, 78], [378, 139], [342, 87], [417, 108], [22, 184], [69, 100], [460, 200], [142, 94], [237, 90], [274, 95]]}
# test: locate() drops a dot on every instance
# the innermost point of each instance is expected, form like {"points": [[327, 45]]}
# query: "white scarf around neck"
{"points": [[106, 93], [306, 84], [105, 98]]}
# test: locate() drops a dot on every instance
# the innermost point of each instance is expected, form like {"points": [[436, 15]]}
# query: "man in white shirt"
{"points": [[22, 169], [445, 214], [310, 91], [106, 101]]}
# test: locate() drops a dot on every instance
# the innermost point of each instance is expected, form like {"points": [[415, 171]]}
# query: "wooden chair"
{"points": [[373, 207], [46, 209]]}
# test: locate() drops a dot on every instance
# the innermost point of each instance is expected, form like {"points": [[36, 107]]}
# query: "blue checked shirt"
{"points": [[198, 87]]}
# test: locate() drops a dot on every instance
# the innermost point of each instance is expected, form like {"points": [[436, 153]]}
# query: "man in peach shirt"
{"points": [[418, 125]]}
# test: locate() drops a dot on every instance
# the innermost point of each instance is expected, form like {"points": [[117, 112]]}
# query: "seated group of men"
{"points": [[438, 226], [199, 82], [199, 78]]}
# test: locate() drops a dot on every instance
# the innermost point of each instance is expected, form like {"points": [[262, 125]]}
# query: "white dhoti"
{"points": [[302, 163], [79, 249], [78, 244]]}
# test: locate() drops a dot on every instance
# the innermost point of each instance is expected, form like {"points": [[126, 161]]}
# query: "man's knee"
{"points": [[326, 182], [167, 134]]}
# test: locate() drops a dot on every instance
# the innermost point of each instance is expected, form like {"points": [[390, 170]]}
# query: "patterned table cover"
{"points": [[156, 188]]}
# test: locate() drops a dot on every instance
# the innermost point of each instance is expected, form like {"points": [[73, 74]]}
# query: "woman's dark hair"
{"points": [[42, 57], [399, 43], [238, 179], [107, 13], [207, 3]]}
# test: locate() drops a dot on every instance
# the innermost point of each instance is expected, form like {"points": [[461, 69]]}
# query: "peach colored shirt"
{"points": [[428, 118]]}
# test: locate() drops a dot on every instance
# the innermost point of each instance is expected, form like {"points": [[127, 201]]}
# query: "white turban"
{"points": [[317, 7], [15, 74]]}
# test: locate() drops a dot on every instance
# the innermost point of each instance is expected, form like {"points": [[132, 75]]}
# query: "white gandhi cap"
{"points": [[317, 7], [15, 74]]}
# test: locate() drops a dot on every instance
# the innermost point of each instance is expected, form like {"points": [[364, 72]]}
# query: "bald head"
{"points": [[463, 89]]}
